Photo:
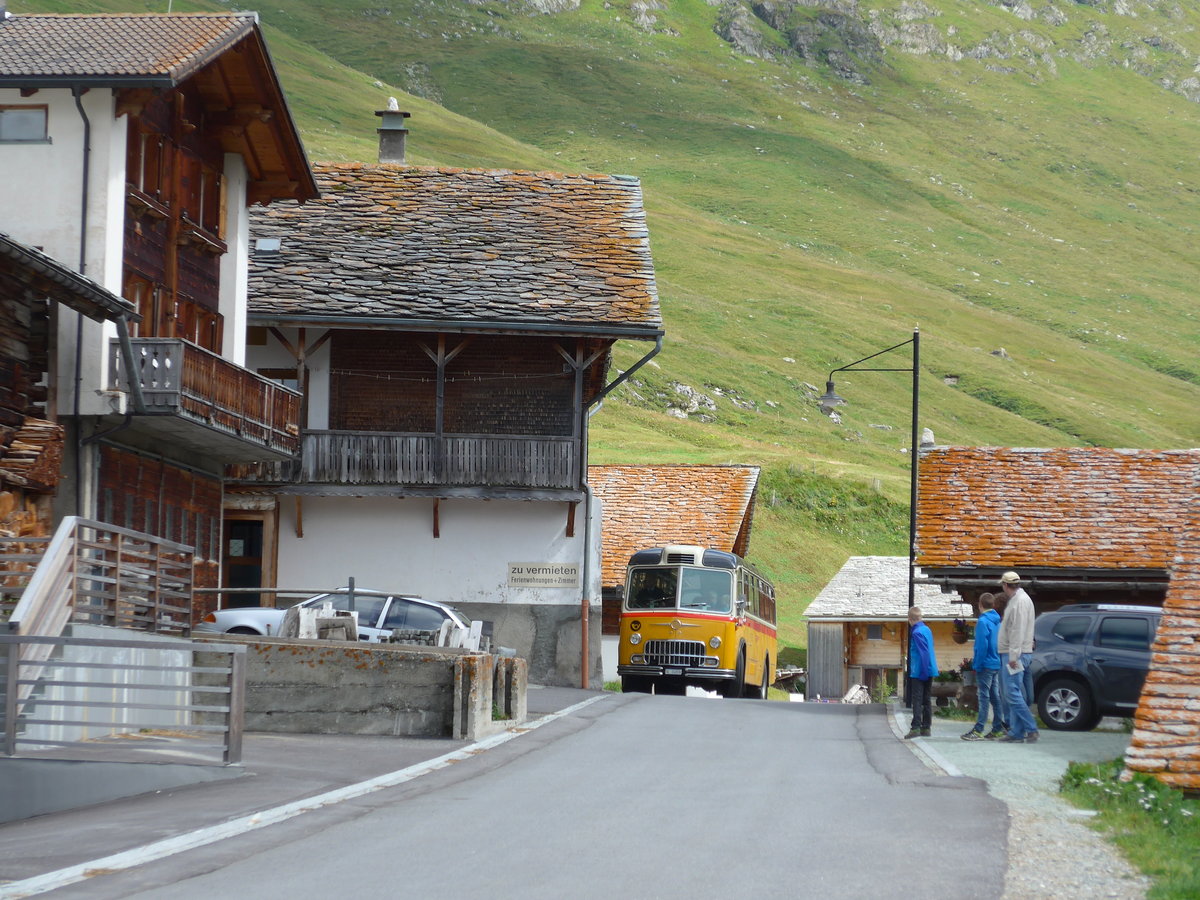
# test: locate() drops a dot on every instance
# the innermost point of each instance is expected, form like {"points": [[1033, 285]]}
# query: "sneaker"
{"points": [[1009, 739], [912, 733], [973, 735], [1031, 738], [993, 735], [925, 732]]}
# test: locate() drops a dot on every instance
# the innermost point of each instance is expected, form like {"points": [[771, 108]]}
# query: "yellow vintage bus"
{"points": [[696, 616]]}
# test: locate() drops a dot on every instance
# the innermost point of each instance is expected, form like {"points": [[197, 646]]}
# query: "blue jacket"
{"points": [[922, 663], [986, 654]]}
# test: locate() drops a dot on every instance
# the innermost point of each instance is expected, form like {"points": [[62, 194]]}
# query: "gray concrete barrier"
{"points": [[338, 687]]}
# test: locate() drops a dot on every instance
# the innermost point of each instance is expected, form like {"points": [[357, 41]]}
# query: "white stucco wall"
{"points": [[234, 264], [40, 200], [388, 544], [274, 356]]}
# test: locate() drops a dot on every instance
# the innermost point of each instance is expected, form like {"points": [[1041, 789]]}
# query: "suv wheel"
{"points": [[1066, 705]]}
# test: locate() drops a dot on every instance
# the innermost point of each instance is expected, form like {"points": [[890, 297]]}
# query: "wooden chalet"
{"points": [[31, 446], [450, 330], [158, 132]]}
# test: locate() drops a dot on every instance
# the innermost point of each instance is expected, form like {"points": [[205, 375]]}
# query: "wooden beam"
{"points": [[437, 522], [299, 516], [571, 518]]}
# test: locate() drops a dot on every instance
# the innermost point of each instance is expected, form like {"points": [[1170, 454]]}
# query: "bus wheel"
{"points": [[734, 689], [766, 679], [635, 684]]}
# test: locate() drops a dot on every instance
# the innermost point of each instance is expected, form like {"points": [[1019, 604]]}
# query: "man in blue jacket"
{"points": [[987, 672], [922, 669]]}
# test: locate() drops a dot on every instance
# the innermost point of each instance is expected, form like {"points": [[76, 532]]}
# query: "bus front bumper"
{"points": [[691, 672]]}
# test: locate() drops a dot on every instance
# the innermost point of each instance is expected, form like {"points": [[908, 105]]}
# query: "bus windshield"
{"points": [[670, 587]]}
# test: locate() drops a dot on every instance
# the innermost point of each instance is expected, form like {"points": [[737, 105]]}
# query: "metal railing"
{"points": [[141, 699], [179, 378], [457, 460]]}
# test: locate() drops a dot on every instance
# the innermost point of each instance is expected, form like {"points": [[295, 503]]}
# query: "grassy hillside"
{"points": [[1021, 189]]}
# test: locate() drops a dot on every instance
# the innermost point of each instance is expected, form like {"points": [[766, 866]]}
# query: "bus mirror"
{"points": [[741, 607]]}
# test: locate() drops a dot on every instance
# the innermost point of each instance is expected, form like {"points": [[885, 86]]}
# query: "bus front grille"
{"points": [[674, 653]]}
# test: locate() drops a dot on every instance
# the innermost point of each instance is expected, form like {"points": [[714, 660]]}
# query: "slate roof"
{"points": [[426, 245], [1085, 508], [648, 506], [876, 587], [1166, 728], [112, 47]]}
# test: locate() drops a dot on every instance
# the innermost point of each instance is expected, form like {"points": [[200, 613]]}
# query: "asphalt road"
{"points": [[631, 796]]}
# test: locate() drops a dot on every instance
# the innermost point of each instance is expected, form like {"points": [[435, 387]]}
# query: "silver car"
{"points": [[379, 613]]}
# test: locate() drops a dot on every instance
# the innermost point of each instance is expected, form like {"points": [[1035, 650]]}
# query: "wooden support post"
{"points": [[299, 516], [437, 511], [571, 518]]}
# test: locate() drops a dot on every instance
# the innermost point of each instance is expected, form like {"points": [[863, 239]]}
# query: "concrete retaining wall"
{"points": [[336, 687]]}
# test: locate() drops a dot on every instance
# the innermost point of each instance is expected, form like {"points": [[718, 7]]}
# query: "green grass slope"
{"points": [[1022, 190]]}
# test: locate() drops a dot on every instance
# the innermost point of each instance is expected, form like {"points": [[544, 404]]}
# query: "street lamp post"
{"points": [[830, 399]]}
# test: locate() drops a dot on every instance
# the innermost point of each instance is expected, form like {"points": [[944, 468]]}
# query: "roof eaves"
{"points": [[471, 326], [100, 302], [198, 61]]}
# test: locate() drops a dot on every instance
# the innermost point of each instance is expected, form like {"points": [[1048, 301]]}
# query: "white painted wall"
{"points": [[40, 200], [274, 356], [235, 263], [388, 544]]}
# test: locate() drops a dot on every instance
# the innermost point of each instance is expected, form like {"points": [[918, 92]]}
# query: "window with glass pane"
{"points": [[23, 123], [1125, 633]]}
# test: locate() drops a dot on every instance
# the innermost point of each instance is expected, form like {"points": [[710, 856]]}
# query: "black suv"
{"points": [[1089, 661]]}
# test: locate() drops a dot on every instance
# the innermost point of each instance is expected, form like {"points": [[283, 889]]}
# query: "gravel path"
{"points": [[1051, 850]]}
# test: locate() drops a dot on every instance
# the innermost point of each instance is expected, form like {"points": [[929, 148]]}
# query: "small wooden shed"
{"points": [[858, 626]]}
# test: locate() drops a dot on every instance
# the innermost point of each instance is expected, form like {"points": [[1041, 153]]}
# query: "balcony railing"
{"points": [[389, 458], [177, 378]]}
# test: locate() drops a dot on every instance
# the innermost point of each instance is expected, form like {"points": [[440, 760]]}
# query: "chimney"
{"points": [[392, 132]]}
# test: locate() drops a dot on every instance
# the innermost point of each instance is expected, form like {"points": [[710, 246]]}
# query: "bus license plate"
{"points": [[673, 671]]}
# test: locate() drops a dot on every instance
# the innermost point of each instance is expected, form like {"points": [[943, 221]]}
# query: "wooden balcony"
{"points": [[421, 464], [207, 403]]}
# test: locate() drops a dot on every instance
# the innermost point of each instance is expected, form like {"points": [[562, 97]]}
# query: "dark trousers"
{"points": [[922, 703]]}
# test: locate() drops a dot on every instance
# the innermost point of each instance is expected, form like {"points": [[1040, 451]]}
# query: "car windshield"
{"points": [[369, 606]]}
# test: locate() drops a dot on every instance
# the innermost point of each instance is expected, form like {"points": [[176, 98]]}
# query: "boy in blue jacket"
{"points": [[987, 672], [922, 669]]}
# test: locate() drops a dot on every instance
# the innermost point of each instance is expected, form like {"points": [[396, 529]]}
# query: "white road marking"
{"points": [[147, 853]]}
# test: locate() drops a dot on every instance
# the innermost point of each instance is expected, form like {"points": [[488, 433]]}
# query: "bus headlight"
{"points": [[714, 642], [635, 639]]}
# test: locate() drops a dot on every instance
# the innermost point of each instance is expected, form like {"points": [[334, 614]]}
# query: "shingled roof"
{"points": [[425, 246], [876, 587], [1081, 508], [1166, 728], [648, 506], [113, 47], [224, 55]]}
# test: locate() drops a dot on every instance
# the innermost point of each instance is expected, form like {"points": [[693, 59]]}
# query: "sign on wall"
{"points": [[543, 575]]}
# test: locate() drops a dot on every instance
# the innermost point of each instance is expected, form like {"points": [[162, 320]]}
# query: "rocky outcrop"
{"points": [[851, 39], [739, 26]]}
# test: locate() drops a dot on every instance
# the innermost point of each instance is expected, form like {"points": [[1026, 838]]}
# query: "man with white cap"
{"points": [[1014, 641]]}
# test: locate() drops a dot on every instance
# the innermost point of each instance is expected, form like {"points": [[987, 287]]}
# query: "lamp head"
{"points": [[830, 398]]}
